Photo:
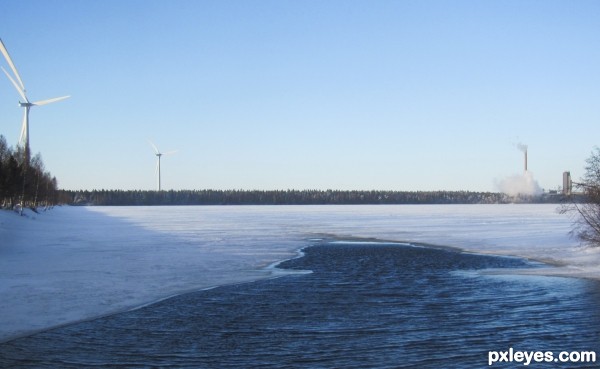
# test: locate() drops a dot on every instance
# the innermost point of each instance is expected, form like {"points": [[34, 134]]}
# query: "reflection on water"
{"points": [[377, 306]]}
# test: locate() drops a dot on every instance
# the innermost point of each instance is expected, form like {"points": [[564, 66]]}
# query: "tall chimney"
{"points": [[525, 159]]}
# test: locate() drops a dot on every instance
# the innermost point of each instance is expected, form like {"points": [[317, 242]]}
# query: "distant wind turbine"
{"points": [[18, 83], [159, 155]]}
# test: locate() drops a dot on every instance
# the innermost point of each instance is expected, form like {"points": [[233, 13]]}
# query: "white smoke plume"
{"points": [[523, 184]]}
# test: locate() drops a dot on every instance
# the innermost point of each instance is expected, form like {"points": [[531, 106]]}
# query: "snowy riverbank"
{"points": [[75, 263]]}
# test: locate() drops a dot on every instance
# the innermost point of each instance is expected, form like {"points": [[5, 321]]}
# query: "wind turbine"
{"points": [[18, 83], [159, 155]]}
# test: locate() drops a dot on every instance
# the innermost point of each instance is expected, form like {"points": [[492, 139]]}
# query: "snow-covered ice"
{"points": [[75, 263]]}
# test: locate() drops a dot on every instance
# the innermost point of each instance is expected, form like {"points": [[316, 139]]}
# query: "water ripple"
{"points": [[378, 306]]}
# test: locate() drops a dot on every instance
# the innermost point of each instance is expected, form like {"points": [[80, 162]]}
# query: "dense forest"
{"points": [[24, 180], [292, 197]]}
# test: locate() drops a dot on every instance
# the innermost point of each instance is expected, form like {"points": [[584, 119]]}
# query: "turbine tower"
{"points": [[26, 104], [158, 156]]}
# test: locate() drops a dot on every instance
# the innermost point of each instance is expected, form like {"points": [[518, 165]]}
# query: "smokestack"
{"points": [[523, 148]]}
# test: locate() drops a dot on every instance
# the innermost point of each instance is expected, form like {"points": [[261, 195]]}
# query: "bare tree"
{"points": [[587, 223]]}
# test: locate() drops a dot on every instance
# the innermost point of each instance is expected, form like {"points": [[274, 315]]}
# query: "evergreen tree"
{"points": [[24, 181]]}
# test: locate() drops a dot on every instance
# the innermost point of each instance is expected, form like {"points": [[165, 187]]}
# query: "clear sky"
{"points": [[394, 95]]}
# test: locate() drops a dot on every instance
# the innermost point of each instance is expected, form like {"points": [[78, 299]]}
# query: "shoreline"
{"points": [[274, 271], [143, 261]]}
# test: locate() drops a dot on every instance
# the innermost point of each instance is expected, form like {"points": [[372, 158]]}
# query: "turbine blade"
{"points": [[11, 64], [19, 89], [154, 147], [170, 152], [44, 102]]}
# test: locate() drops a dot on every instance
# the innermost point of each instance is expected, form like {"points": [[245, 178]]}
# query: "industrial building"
{"points": [[567, 183]]}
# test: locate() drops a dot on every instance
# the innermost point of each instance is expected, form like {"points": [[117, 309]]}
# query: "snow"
{"points": [[75, 263]]}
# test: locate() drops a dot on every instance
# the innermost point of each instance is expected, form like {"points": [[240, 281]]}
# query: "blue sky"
{"points": [[394, 95]]}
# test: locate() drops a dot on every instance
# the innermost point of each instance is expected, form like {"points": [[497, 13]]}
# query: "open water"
{"points": [[364, 306]]}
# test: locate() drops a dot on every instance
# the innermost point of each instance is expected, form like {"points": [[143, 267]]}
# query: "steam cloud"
{"points": [[523, 184]]}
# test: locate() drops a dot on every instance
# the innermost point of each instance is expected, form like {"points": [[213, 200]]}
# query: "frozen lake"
{"points": [[365, 305], [77, 263]]}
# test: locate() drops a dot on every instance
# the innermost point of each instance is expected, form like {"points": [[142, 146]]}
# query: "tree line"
{"points": [[289, 197], [24, 181]]}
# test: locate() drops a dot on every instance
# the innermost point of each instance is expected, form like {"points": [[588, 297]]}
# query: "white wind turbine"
{"points": [[18, 83], [158, 156]]}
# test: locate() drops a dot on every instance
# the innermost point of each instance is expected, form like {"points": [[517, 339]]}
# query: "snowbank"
{"points": [[75, 263]]}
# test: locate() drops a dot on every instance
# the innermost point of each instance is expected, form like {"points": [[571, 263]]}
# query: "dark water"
{"points": [[364, 306]]}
